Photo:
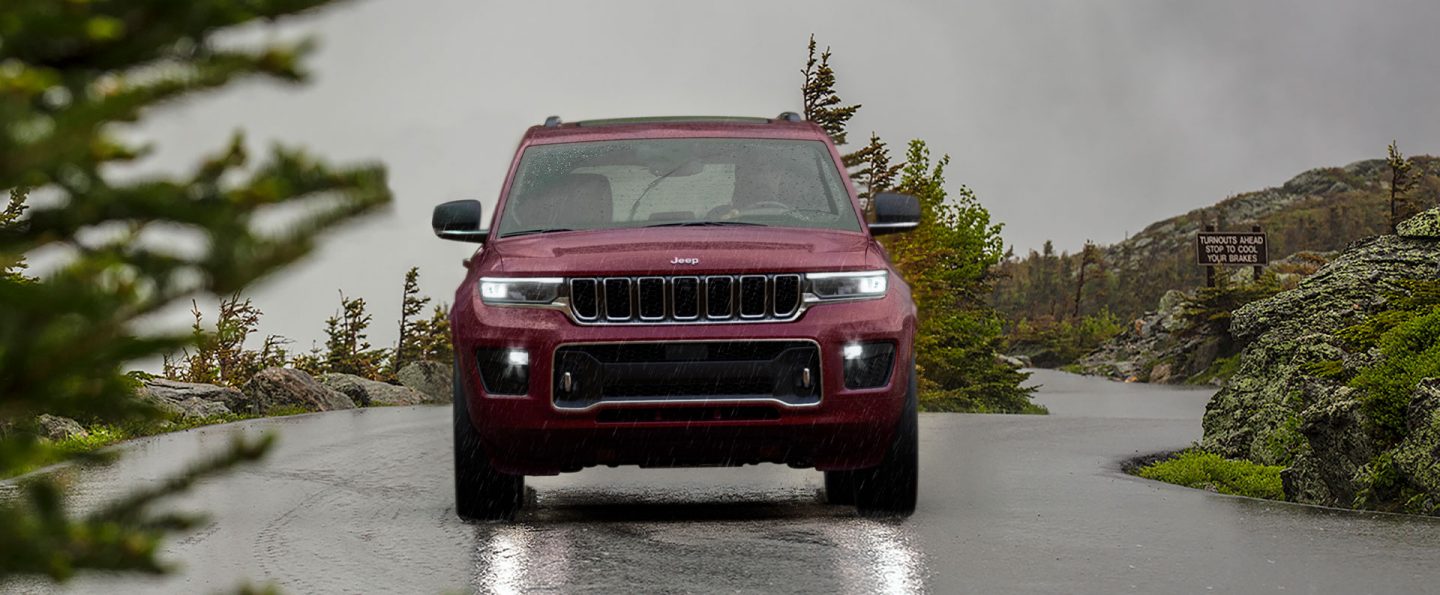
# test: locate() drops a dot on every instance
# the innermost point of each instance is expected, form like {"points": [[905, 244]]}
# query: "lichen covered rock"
{"points": [[1289, 403], [286, 387], [54, 427], [189, 399], [1424, 226], [368, 393], [432, 379]]}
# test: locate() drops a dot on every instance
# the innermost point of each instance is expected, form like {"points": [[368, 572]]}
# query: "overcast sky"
{"points": [[1071, 120]]}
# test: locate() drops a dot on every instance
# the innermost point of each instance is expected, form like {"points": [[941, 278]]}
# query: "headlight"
{"points": [[841, 286], [519, 290]]}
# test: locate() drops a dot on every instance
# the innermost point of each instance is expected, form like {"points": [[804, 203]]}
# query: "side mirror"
{"points": [[895, 213], [459, 220]]}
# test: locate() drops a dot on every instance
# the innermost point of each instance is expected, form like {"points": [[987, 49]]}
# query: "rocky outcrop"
{"points": [[1423, 226], [189, 400], [54, 427], [367, 393], [286, 387], [1153, 349], [1288, 403], [432, 379], [1159, 348]]}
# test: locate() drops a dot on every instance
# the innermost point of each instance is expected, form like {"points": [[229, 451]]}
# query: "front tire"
{"points": [[481, 492], [891, 489], [840, 488]]}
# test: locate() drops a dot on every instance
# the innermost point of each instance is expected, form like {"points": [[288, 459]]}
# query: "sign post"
{"points": [[1231, 248]]}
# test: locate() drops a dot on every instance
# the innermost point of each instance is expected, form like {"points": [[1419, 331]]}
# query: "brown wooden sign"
{"points": [[1219, 248]]}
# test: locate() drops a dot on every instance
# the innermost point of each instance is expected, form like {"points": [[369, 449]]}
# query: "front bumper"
{"points": [[839, 429]]}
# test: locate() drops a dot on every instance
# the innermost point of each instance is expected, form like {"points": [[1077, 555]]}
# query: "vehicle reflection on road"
{"points": [[891, 562], [759, 539]]}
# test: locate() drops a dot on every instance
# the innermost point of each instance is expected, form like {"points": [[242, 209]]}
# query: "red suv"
{"points": [[682, 292]]}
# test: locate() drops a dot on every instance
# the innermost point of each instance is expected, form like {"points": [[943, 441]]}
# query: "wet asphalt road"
{"points": [[360, 502]]}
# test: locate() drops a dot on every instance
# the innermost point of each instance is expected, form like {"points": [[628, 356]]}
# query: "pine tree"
{"points": [[1402, 181], [347, 350], [876, 174], [408, 348], [72, 72]]}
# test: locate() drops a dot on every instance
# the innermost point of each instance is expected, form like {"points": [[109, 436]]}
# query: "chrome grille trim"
{"points": [[612, 309]]}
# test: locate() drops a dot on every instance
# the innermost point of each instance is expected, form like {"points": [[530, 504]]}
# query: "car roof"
{"points": [[787, 126]]}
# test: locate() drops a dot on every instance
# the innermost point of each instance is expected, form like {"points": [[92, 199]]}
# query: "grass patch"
{"points": [[1208, 471], [99, 436]]}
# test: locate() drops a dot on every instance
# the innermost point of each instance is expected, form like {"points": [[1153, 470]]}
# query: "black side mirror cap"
{"points": [[459, 220], [895, 213]]}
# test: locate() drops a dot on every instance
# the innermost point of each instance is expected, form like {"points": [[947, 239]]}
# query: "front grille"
{"points": [[678, 299], [590, 374]]}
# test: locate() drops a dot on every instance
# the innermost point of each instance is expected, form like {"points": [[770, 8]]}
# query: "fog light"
{"points": [[519, 357], [868, 365], [504, 371]]}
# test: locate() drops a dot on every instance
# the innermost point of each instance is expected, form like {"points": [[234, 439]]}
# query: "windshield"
{"points": [[696, 181]]}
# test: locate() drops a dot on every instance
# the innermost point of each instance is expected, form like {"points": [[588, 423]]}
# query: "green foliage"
{"points": [[1384, 487], [1410, 352], [822, 105], [407, 348], [346, 349], [1402, 181], [421, 339], [432, 337], [1208, 310], [1207, 471], [220, 357], [1415, 297], [1052, 343], [875, 172], [12, 265], [72, 72], [947, 261]]}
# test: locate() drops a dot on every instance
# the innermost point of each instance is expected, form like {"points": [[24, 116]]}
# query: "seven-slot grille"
{"points": [[685, 298]]}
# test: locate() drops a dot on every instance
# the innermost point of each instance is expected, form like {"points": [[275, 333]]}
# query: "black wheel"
{"points": [[481, 492], [840, 488], [891, 488]]}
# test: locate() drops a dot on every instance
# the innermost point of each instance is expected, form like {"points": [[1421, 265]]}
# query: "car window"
{"points": [[637, 183]]}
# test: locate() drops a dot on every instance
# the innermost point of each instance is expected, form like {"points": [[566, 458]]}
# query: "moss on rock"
{"points": [[1307, 394]]}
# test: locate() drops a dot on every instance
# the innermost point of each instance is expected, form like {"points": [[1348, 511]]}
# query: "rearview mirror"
{"points": [[895, 213], [459, 220]]}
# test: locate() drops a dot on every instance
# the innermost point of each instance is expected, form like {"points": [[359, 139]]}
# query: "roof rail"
{"points": [[552, 121], [789, 117]]}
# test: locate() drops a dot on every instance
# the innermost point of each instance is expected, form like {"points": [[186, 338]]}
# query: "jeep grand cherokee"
{"points": [[682, 292]]}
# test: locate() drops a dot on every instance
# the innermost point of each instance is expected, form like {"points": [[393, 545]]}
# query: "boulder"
{"points": [[367, 393], [1009, 361], [432, 379], [1288, 403], [189, 399], [1423, 226], [54, 427], [288, 387]]}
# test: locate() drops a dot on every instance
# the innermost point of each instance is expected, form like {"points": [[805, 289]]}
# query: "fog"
{"points": [[1071, 120]]}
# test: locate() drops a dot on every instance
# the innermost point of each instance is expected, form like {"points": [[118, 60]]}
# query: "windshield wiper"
{"points": [[526, 232], [705, 224]]}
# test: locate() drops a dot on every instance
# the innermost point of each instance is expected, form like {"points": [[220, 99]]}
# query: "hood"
{"points": [[681, 250]]}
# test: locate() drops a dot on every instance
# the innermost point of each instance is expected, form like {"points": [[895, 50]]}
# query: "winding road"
{"points": [[360, 502]]}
